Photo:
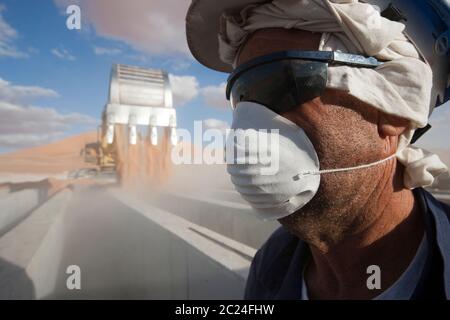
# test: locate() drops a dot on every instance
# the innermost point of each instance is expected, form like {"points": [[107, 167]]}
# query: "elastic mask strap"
{"points": [[309, 173]]}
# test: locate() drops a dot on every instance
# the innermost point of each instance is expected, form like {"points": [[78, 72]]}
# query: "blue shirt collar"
{"points": [[439, 220], [437, 229]]}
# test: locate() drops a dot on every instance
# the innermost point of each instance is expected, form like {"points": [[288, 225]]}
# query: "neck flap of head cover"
{"points": [[401, 86]]}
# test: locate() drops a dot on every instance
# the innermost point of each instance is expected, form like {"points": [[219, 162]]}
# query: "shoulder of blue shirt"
{"points": [[272, 260]]}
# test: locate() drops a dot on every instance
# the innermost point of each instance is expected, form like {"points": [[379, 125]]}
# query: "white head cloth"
{"points": [[400, 87]]}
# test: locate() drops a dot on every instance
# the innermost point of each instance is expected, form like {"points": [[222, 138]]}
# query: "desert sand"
{"points": [[44, 167], [55, 158]]}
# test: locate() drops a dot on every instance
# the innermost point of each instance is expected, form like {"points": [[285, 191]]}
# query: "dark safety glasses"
{"points": [[284, 80]]}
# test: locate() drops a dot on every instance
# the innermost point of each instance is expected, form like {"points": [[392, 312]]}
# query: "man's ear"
{"points": [[389, 129], [391, 126]]}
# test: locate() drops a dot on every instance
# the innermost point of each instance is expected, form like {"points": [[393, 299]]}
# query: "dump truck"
{"points": [[138, 98]]}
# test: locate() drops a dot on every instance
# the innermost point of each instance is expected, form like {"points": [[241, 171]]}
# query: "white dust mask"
{"points": [[274, 165]]}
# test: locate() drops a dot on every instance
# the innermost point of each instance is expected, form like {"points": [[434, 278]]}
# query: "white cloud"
{"points": [[19, 119], [7, 35], [140, 58], [437, 138], [214, 96], [13, 93], [155, 27], [23, 125], [184, 89], [63, 54], [106, 51], [216, 124], [178, 64], [441, 116]]}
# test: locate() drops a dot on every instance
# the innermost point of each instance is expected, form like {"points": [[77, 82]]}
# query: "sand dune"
{"points": [[54, 158]]}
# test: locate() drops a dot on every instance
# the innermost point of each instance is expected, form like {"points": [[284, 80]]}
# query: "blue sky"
{"points": [[76, 64], [54, 81]]}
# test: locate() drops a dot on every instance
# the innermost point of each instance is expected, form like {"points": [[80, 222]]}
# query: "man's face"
{"points": [[345, 133]]}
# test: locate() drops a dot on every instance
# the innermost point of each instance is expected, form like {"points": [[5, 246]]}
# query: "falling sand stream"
{"points": [[142, 164]]}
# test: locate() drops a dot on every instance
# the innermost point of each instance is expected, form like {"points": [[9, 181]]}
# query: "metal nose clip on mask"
{"points": [[288, 189]]}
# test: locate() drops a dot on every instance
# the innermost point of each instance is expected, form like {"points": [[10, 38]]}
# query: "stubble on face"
{"points": [[344, 133]]}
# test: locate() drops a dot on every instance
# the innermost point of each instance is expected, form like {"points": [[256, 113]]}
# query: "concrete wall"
{"points": [[230, 218], [133, 251], [125, 249], [30, 253], [15, 206], [45, 263]]}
